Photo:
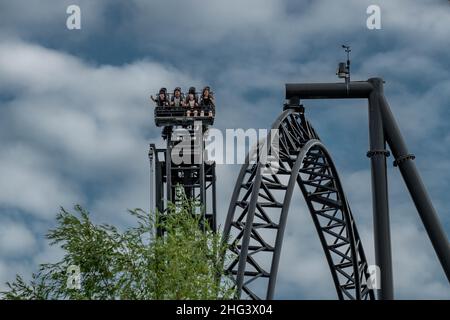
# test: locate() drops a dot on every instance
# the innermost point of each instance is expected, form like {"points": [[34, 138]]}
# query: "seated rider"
{"points": [[161, 100], [207, 101], [177, 98], [191, 103]]}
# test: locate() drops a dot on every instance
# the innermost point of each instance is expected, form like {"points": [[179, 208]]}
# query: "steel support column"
{"points": [[416, 187], [380, 201], [214, 206], [169, 168]]}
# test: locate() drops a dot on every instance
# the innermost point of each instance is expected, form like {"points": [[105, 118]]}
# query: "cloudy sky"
{"points": [[75, 118]]}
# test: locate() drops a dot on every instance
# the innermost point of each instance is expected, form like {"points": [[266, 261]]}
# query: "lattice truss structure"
{"points": [[259, 209]]}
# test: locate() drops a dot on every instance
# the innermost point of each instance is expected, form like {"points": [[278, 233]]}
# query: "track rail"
{"points": [[259, 208]]}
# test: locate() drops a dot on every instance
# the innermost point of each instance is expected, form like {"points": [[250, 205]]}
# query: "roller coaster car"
{"points": [[176, 116]]}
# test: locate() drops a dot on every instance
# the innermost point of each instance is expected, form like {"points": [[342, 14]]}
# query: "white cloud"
{"points": [[28, 183], [15, 239], [10, 268], [416, 273], [73, 123]]}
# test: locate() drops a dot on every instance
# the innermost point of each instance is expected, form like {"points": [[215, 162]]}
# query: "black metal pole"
{"points": [[356, 89], [214, 197], [416, 187], [151, 156], [168, 168], [159, 189], [380, 202], [202, 182]]}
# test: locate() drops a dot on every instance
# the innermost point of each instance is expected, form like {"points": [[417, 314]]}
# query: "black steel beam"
{"points": [[380, 201], [416, 187], [355, 89], [214, 197], [168, 168], [158, 186]]}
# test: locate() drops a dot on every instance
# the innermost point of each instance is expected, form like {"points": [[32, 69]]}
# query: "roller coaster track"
{"points": [[260, 203]]}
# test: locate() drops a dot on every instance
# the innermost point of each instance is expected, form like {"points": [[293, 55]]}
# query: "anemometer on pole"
{"points": [[343, 68]]}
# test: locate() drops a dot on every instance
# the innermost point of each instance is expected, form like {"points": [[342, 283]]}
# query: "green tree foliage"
{"points": [[185, 263]]}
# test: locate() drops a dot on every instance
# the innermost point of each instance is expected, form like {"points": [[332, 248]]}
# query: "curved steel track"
{"points": [[259, 208]]}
